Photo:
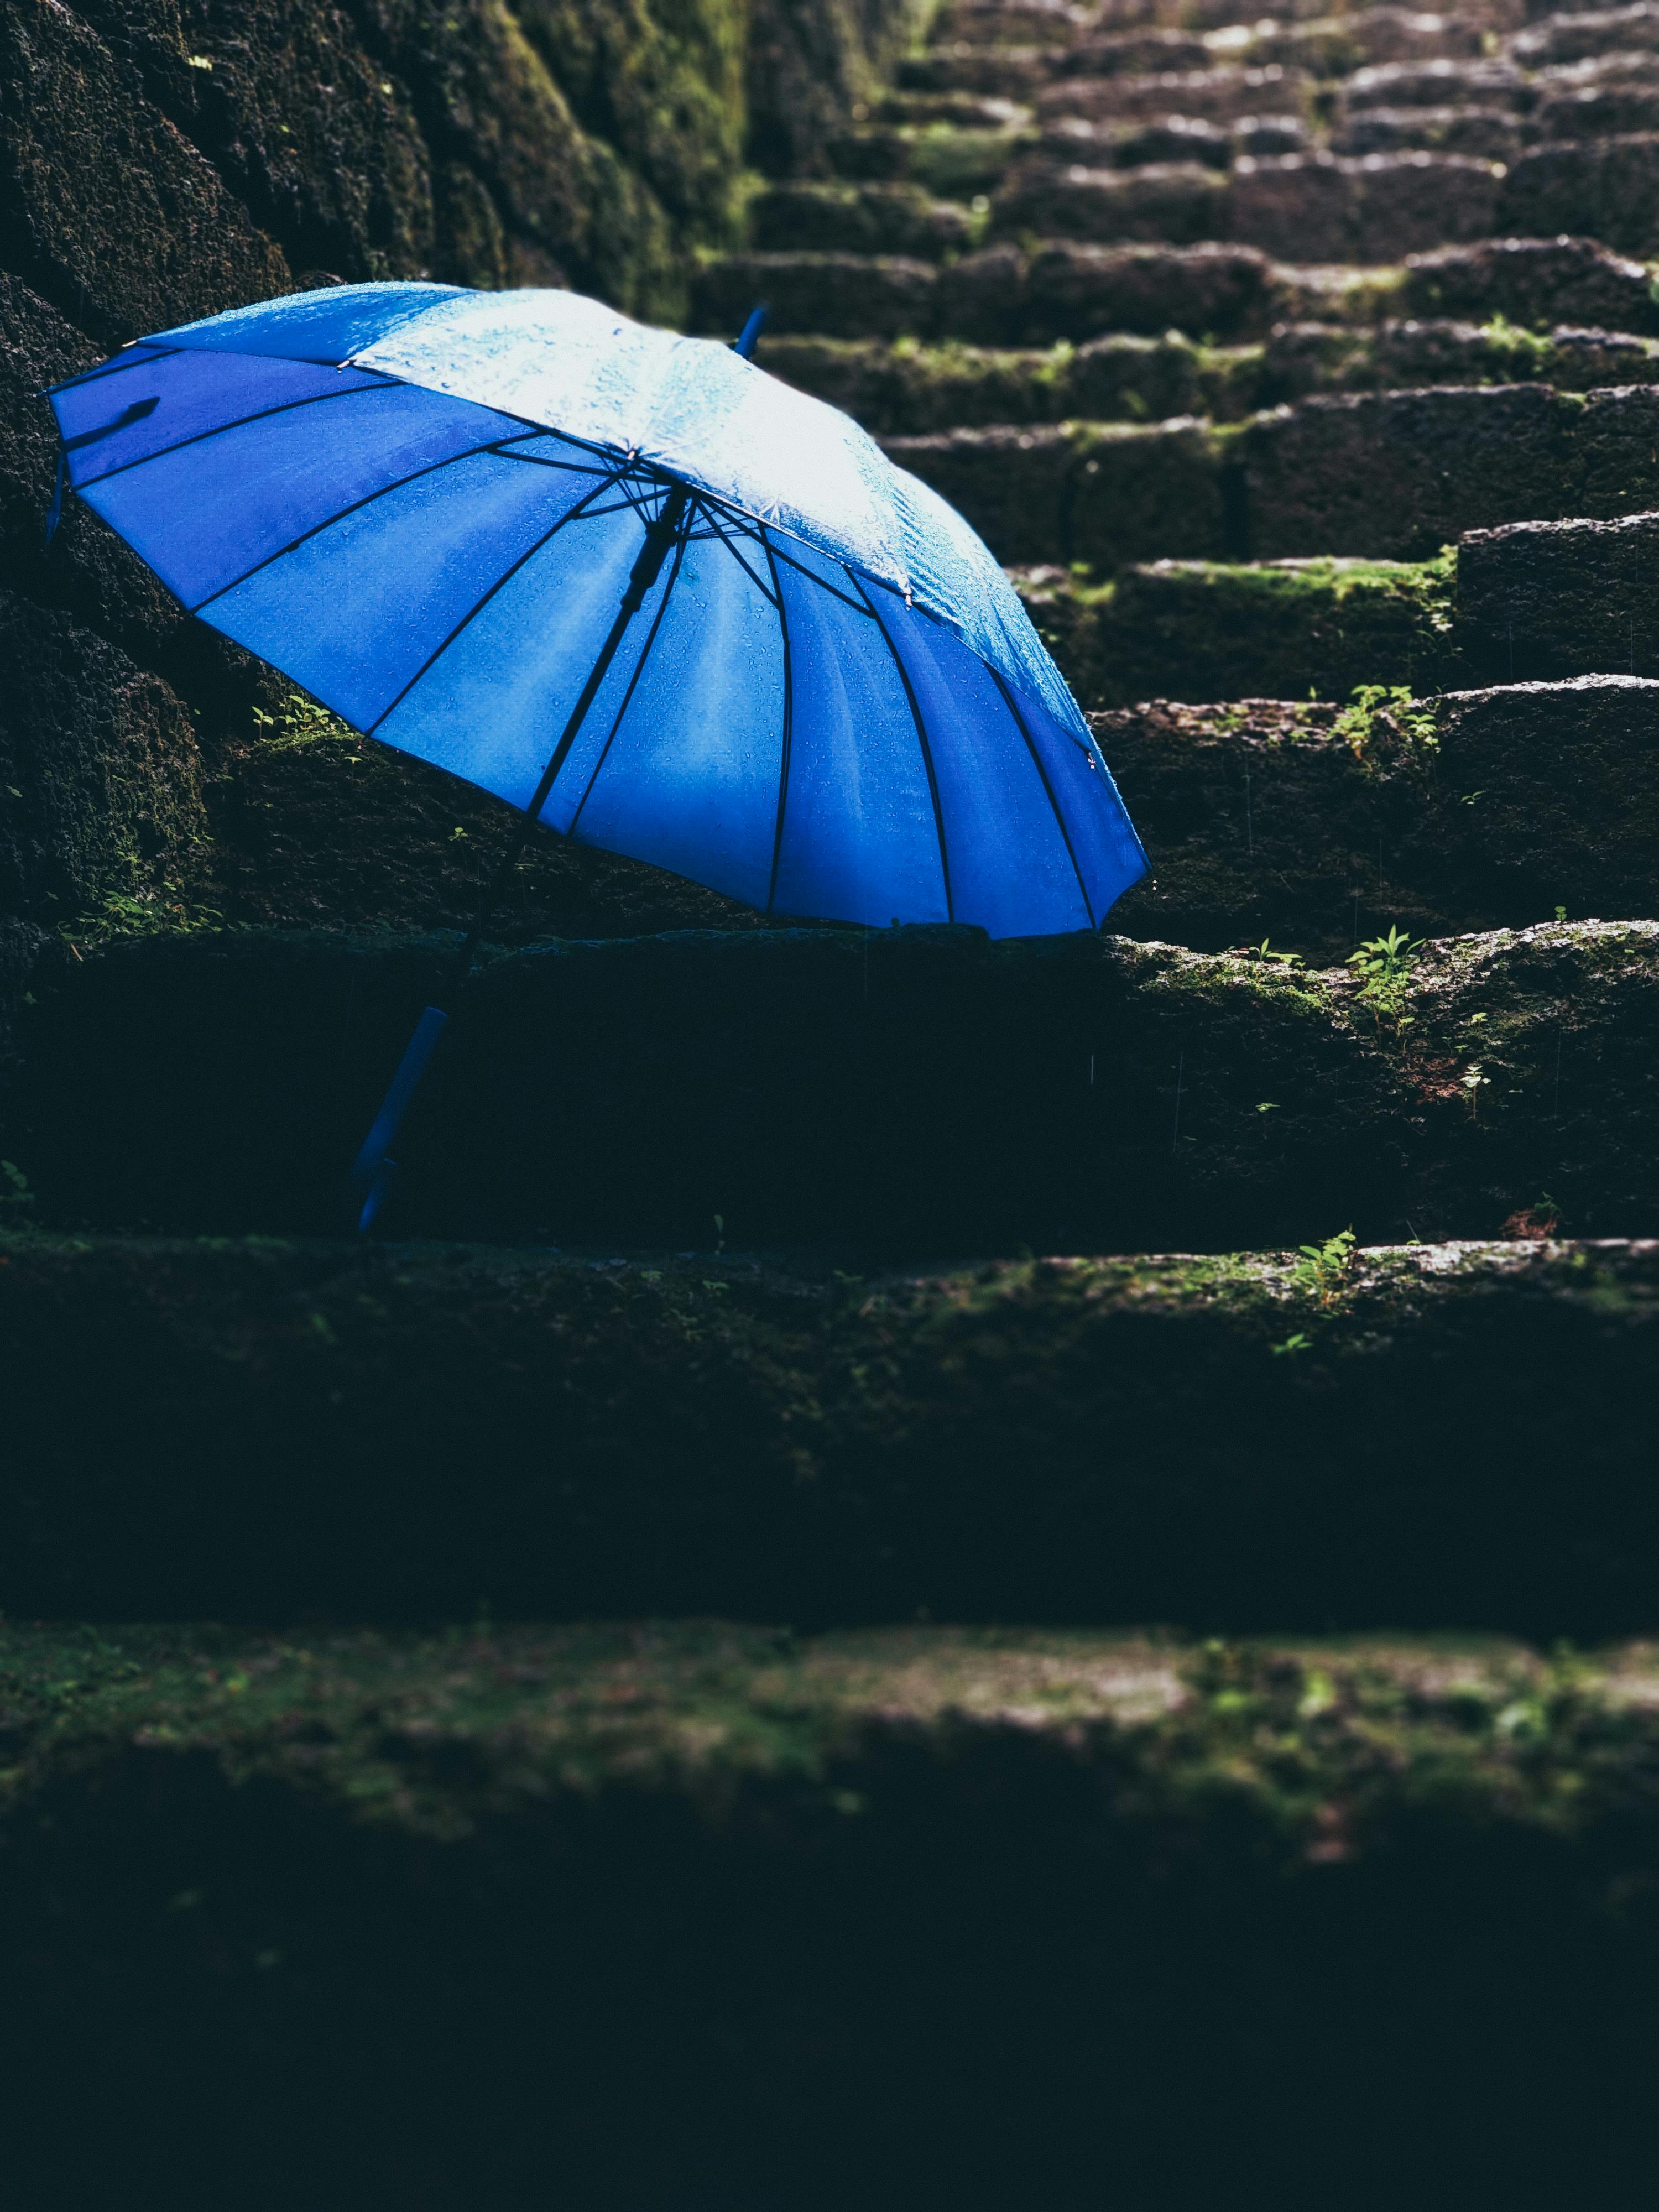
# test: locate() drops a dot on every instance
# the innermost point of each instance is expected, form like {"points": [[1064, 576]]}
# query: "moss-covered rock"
{"points": [[813, 217], [110, 212], [958, 1907], [1605, 188], [1534, 282], [908, 387], [1561, 598], [1314, 827], [100, 799], [1103, 493], [1200, 630], [1305, 357]]}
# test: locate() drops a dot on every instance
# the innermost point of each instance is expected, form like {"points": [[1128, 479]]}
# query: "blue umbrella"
{"points": [[655, 600]]}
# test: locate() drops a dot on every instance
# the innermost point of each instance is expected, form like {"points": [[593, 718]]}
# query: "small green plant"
{"points": [[1357, 722], [1301, 1341], [1560, 914], [1264, 951], [1383, 969], [303, 722], [1322, 1270], [125, 913], [1474, 1081]]}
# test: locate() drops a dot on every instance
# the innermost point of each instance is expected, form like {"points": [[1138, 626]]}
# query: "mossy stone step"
{"points": [[906, 387], [891, 218], [1312, 206], [1228, 93], [418, 1915], [1314, 826], [1402, 353], [956, 160], [909, 1092], [1036, 295], [284, 1431], [1387, 476], [1201, 630], [1560, 598]]}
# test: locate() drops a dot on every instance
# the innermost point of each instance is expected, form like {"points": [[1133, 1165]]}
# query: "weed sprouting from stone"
{"points": [[303, 722], [1384, 967], [1322, 1270]]}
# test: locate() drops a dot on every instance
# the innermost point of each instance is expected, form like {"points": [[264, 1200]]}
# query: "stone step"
{"points": [[885, 218], [1383, 476], [952, 161], [1073, 142], [1396, 475], [977, 1096], [1487, 134], [1327, 48], [1102, 493], [319, 1430], [1484, 84], [1199, 630], [896, 389], [1403, 353], [415, 1913], [1315, 206], [1012, 295], [1314, 826], [1227, 93], [1573, 36], [1529, 602], [1555, 599], [1606, 188]]}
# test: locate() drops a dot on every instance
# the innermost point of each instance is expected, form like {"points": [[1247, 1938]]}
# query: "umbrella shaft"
{"points": [[660, 536], [370, 1174]]}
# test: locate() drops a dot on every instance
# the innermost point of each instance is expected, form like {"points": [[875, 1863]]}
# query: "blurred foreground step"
{"points": [[419, 1907], [284, 1431], [897, 1092]]}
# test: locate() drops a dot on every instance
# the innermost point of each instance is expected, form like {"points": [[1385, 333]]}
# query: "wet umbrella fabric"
{"points": [[624, 580]]}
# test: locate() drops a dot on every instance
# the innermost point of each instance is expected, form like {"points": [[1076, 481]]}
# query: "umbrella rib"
{"points": [[921, 741], [106, 368], [812, 577], [730, 544], [1048, 789], [786, 742], [628, 695], [259, 415], [478, 606], [356, 507]]}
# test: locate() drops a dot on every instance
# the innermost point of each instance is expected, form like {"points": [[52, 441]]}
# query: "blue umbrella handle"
{"points": [[371, 1173]]}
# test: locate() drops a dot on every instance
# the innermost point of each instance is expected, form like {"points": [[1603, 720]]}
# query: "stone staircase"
{"points": [[1029, 1485]]}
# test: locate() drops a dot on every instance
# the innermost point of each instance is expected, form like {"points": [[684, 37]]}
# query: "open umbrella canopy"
{"points": [[426, 506]]}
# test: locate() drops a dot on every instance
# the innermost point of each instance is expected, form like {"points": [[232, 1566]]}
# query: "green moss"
{"points": [[1293, 629]]}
